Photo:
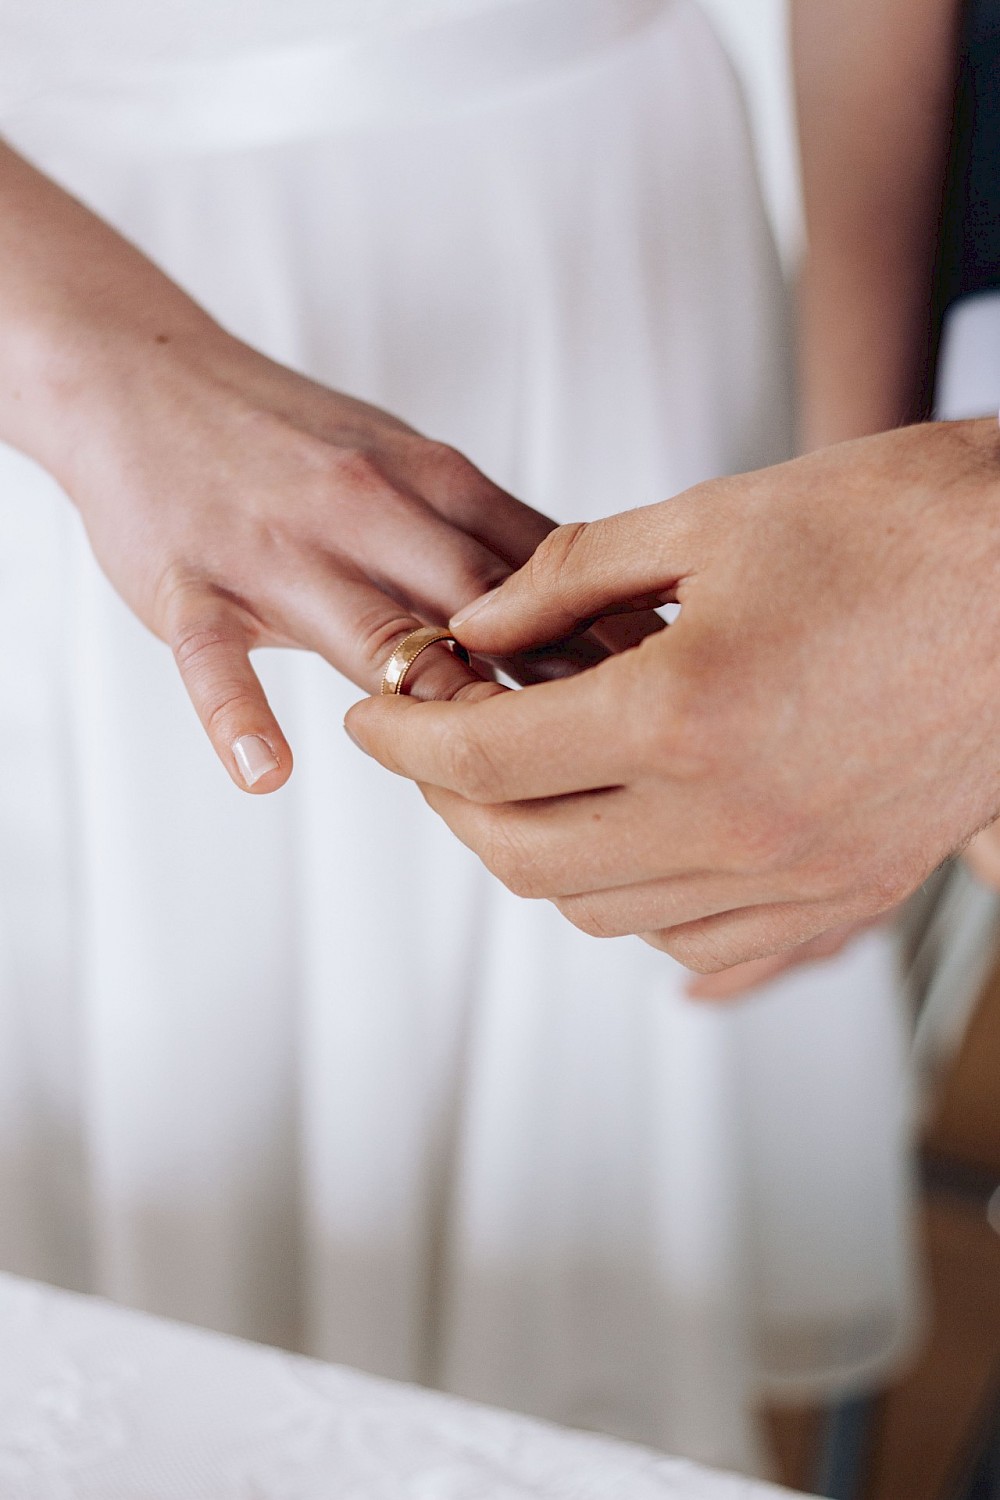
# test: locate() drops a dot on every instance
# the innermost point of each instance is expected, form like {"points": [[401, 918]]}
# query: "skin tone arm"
{"points": [[875, 94], [231, 502]]}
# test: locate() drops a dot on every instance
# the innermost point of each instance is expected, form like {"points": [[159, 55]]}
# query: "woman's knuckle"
{"points": [[479, 575], [473, 571], [354, 468], [447, 461], [195, 644], [174, 599], [223, 711], [379, 633]]}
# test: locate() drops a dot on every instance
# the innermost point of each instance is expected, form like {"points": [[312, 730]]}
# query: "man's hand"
{"points": [[811, 738], [743, 979]]}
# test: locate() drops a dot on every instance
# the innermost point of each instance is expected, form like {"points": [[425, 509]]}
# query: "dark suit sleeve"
{"points": [[970, 243]]}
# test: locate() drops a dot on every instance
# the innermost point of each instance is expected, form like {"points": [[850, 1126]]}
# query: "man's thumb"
{"points": [[580, 571]]}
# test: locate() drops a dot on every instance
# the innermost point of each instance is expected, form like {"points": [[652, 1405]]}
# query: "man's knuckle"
{"points": [[696, 956], [703, 950], [772, 841], [891, 885], [557, 554], [586, 915], [508, 858], [470, 767], [656, 731], [670, 732], [685, 950], [519, 882]]}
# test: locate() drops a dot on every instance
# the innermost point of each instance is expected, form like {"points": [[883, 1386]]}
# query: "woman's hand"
{"points": [[232, 503], [808, 741]]}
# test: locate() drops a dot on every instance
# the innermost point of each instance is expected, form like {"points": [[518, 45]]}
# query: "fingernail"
{"points": [[254, 757], [473, 609], [353, 738]]}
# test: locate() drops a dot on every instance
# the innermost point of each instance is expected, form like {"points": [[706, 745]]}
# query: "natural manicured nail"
{"points": [[353, 738], [254, 757], [474, 608]]}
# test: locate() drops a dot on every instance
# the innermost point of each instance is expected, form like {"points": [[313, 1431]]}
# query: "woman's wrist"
{"points": [[76, 371], [85, 319]]}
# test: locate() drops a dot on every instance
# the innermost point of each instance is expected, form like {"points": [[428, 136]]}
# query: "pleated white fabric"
{"points": [[478, 1149]]}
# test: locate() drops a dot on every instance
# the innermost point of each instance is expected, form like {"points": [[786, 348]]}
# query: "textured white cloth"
{"points": [[97, 1403], [494, 1154]]}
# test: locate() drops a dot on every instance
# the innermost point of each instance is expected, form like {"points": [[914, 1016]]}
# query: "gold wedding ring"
{"points": [[409, 649]]}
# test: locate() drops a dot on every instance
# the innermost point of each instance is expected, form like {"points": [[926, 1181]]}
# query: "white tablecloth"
{"points": [[101, 1403]]}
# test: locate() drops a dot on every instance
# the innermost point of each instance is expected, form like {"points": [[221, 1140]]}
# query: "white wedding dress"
{"points": [[471, 1147]]}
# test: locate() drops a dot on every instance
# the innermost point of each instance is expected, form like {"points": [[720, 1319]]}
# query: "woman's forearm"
{"points": [[80, 311], [874, 85]]}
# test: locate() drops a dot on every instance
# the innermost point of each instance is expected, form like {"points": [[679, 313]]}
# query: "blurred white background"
{"points": [[756, 33]]}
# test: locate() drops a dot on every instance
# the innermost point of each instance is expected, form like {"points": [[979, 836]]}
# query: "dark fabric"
{"points": [[970, 247]]}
